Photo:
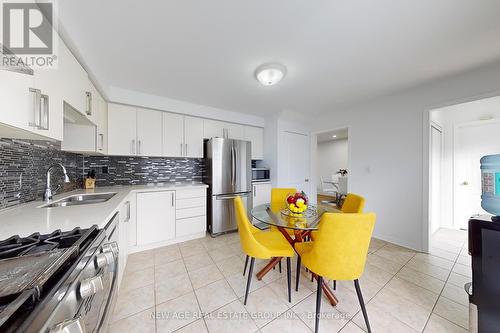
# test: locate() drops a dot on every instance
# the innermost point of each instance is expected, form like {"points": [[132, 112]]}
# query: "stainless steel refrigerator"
{"points": [[228, 174]]}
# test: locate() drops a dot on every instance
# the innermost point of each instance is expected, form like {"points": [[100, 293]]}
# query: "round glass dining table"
{"points": [[302, 226]]}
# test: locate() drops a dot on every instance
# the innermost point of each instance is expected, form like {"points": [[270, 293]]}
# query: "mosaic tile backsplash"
{"points": [[126, 170], [23, 166]]}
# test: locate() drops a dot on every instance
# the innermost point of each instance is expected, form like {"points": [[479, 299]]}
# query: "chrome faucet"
{"points": [[47, 195]]}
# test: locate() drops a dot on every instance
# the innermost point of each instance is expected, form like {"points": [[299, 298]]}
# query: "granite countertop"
{"points": [[25, 219]]}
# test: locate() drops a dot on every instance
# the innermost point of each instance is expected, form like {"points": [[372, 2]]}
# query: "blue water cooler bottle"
{"points": [[490, 184]]}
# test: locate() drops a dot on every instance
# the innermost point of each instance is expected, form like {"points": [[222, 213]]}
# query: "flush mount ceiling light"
{"points": [[334, 136], [270, 74]]}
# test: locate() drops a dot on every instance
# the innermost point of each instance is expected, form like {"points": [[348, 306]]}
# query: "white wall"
{"points": [[448, 118], [389, 149], [331, 156]]}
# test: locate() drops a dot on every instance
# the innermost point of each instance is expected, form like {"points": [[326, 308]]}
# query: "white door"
{"points": [[173, 134], [149, 132], [296, 161], [122, 134], [213, 129], [472, 141], [436, 180], [193, 137], [256, 136], [261, 194], [155, 217]]}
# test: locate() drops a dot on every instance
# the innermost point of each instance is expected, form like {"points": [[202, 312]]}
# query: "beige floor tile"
{"points": [[433, 260], [404, 310], [167, 254], [413, 293], [230, 318], [368, 288], [381, 320], [264, 306], [376, 244], [463, 270], [215, 295], [288, 322], [198, 326], [384, 263], [438, 324], [137, 279], [232, 238], [143, 322], [197, 261], [464, 260], [172, 287], [456, 294], [169, 270], [211, 244], [396, 253], [192, 248], [139, 261], [454, 312], [351, 328], [134, 301], [453, 248], [429, 269], [177, 313], [443, 254], [376, 274], [458, 280], [420, 279], [220, 253], [331, 320], [348, 302], [280, 288], [205, 275], [238, 283], [231, 265]]}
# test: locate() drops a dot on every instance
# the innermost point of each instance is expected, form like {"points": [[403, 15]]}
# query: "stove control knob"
{"points": [[69, 326], [102, 259], [110, 247], [91, 286]]}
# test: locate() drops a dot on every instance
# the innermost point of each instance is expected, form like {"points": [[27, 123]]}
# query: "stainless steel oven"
{"points": [[261, 175]]}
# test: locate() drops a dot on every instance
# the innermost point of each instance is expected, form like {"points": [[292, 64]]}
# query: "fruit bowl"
{"points": [[296, 204]]}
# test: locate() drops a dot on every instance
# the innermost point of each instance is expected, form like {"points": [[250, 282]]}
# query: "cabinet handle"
{"points": [[37, 112], [128, 212], [44, 113], [254, 191], [173, 203], [133, 147], [88, 96], [181, 150], [101, 136], [138, 147], [186, 149]]}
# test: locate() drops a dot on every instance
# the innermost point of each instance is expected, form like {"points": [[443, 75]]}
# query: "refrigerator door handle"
{"points": [[233, 166], [231, 196]]}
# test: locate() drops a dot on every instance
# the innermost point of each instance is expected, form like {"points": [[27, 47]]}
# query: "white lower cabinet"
{"points": [[125, 227], [261, 193], [191, 212], [155, 217]]}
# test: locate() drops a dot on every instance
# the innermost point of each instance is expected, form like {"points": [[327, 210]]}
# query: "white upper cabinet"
{"points": [[214, 129], [256, 136], [235, 131], [149, 132], [173, 135], [122, 127], [193, 137], [17, 107], [102, 125]]}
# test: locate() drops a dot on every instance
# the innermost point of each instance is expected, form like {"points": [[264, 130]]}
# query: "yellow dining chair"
{"points": [[261, 245], [353, 203], [338, 252], [278, 198]]}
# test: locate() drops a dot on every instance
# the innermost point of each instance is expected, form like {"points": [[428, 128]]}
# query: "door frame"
{"points": [[314, 178], [431, 185], [456, 128]]}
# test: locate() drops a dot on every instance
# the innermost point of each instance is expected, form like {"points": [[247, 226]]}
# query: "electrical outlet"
{"points": [[104, 170]]}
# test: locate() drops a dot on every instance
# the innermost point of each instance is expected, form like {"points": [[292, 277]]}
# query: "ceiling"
{"points": [[336, 52], [339, 134]]}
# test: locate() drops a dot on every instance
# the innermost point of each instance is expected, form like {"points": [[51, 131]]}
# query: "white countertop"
{"points": [[25, 219]]}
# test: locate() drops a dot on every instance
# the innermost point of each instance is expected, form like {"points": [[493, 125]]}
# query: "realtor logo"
{"points": [[27, 28]]}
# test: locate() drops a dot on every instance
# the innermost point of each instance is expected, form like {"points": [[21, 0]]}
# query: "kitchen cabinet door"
{"points": [[16, 100], [261, 193], [122, 134], [173, 135], [155, 217], [102, 126], [149, 132], [73, 79], [213, 129], [235, 131], [256, 136], [193, 137]]}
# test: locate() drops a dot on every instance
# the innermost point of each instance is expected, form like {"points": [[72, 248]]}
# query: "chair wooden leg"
{"points": [[246, 264], [280, 266], [250, 271], [334, 284], [318, 303], [362, 303], [298, 274], [289, 278]]}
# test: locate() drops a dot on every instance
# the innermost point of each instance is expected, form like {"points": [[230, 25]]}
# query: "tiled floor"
{"points": [[197, 286]]}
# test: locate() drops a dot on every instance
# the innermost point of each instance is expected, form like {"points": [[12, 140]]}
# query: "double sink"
{"points": [[81, 199]]}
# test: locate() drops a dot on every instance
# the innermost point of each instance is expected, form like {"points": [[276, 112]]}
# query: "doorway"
{"points": [[296, 164], [332, 172], [436, 167]]}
